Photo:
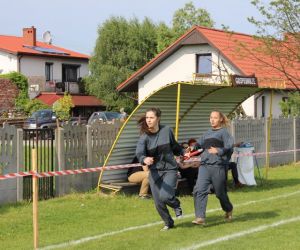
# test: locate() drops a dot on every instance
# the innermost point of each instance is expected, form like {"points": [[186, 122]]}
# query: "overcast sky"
{"points": [[73, 23]]}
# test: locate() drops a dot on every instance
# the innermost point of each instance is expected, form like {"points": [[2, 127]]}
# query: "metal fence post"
{"points": [[20, 167], [232, 128], [89, 147], [60, 185], [266, 140], [295, 138]]}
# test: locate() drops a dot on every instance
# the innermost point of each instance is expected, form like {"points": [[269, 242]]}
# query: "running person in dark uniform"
{"points": [[156, 148], [217, 143]]}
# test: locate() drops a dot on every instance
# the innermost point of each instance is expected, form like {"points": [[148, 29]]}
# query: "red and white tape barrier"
{"points": [[115, 167]]}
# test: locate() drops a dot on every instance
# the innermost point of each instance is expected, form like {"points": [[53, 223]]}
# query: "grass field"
{"points": [[265, 217]]}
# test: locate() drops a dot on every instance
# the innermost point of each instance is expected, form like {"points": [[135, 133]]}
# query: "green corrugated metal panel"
{"points": [[196, 104]]}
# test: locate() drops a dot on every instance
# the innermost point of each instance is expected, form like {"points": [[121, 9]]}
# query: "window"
{"points": [[49, 71], [263, 106], [203, 64], [70, 72]]}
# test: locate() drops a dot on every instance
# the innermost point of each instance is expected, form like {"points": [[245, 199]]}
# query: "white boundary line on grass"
{"points": [[100, 236], [242, 233]]}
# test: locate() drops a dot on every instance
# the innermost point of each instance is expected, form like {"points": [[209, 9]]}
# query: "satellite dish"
{"points": [[47, 37]]}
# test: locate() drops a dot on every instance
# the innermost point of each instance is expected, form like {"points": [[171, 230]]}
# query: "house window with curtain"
{"points": [[204, 64], [70, 72], [49, 71]]}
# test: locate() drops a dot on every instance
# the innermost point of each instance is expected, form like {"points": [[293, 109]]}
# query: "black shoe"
{"points": [[178, 212]]}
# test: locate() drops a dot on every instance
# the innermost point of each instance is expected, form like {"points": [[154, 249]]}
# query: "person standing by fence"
{"points": [[217, 143], [156, 148]]}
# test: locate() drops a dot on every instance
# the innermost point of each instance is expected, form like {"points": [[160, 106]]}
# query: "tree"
{"points": [[62, 107], [188, 16], [279, 33], [34, 105], [291, 106], [122, 48]]}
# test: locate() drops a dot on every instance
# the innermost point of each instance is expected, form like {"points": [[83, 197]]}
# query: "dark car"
{"points": [[45, 118], [104, 116]]}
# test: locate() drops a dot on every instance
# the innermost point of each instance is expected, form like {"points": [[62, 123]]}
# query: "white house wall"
{"points": [[8, 62], [277, 97], [35, 66], [248, 106], [180, 66]]}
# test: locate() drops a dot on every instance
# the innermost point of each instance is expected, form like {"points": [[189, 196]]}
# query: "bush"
{"points": [[62, 107], [34, 105], [22, 84]]}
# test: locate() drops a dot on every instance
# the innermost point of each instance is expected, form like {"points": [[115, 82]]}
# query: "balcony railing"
{"points": [[211, 79], [58, 87]]}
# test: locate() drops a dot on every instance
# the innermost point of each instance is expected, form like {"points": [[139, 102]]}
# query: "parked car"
{"points": [[45, 118], [104, 116]]}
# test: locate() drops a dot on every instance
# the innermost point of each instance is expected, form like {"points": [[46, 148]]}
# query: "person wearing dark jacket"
{"points": [[156, 149], [217, 143]]}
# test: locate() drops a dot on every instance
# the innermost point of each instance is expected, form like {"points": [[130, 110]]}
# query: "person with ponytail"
{"points": [[156, 149], [217, 144]]}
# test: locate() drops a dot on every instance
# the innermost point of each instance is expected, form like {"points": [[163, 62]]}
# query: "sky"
{"points": [[74, 23]]}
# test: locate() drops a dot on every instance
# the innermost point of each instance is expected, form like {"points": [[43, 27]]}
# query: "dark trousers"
{"points": [[232, 166], [216, 176], [191, 175], [163, 185]]}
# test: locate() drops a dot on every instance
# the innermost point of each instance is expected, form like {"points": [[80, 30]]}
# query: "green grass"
{"points": [[82, 215]]}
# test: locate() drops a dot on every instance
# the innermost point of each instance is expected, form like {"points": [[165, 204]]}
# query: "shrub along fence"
{"points": [[79, 146]]}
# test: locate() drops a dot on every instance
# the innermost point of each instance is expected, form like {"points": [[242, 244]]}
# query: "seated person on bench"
{"points": [[140, 175], [189, 170]]}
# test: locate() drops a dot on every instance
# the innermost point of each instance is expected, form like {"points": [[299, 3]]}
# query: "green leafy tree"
{"points": [[279, 32], [183, 19], [122, 48], [165, 36], [62, 107], [34, 105], [291, 106], [188, 16]]}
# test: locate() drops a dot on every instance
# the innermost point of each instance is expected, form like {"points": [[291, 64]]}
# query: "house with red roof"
{"points": [[212, 56], [51, 70]]}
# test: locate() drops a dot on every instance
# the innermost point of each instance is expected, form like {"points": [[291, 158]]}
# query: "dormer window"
{"points": [[204, 64]]}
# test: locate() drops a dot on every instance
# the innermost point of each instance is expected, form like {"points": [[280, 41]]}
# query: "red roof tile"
{"points": [[78, 100], [230, 45], [15, 45]]}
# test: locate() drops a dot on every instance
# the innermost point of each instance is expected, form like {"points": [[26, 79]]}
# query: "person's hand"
{"points": [[148, 161], [187, 155], [187, 150], [145, 168], [213, 150]]}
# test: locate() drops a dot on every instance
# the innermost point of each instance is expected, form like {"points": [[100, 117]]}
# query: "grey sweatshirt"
{"points": [[220, 139], [161, 146]]}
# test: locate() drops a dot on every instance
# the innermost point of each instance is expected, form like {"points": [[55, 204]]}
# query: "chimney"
{"points": [[29, 36]]}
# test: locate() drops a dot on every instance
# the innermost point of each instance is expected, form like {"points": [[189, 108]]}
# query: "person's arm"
{"points": [[176, 148], [141, 152], [200, 142], [228, 144]]}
